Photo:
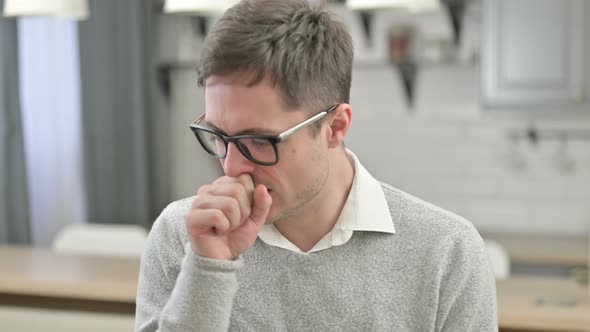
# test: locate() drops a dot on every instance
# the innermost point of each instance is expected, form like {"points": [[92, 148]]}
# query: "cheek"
{"points": [[295, 167]]}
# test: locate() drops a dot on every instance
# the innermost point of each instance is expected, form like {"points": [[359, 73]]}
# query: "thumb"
{"points": [[261, 205]]}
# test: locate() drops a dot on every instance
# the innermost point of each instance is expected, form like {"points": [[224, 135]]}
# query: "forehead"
{"points": [[234, 106], [238, 88]]}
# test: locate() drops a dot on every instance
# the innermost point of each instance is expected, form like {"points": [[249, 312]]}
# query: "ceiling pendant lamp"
{"points": [[424, 5], [411, 5], [202, 7], [77, 9]]}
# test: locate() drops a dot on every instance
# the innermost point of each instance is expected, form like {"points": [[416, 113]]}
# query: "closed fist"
{"points": [[226, 217]]}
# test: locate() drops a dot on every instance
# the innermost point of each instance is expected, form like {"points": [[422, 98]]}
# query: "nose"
{"points": [[235, 163]]}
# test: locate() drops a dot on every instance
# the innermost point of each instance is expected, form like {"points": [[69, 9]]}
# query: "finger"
{"points": [[204, 189], [199, 222], [247, 182], [235, 191], [244, 179], [228, 205], [261, 205]]}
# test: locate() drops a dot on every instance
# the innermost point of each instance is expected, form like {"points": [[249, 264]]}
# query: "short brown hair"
{"points": [[302, 48]]}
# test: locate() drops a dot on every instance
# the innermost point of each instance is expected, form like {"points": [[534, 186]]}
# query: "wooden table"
{"points": [[544, 249], [541, 304], [40, 278]]}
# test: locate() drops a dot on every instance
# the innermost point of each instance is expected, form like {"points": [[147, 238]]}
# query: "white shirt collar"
{"points": [[365, 209]]}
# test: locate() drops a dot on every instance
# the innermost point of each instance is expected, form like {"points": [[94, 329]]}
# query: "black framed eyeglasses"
{"points": [[259, 149]]}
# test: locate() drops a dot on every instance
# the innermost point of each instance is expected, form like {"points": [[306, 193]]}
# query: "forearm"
{"points": [[203, 295]]}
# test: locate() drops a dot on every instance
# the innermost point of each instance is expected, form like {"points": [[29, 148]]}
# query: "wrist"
{"points": [[194, 260], [212, 254]]}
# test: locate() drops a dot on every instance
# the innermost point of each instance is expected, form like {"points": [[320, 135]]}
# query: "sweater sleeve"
{"points": [[467, 289], [178, 290]]}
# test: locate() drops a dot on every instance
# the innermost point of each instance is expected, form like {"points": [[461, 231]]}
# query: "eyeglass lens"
{"points": [[259, 149]]}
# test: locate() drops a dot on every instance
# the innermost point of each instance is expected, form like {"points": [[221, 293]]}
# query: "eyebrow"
{"points": [[249, 131]]}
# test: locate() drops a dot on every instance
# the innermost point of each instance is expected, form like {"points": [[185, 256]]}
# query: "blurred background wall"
{"points": [[106, 104], [449, 148]]}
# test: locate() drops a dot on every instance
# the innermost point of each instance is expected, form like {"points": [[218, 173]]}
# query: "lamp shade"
{"points": [[198, 6], [77, 9], [412, 5]]}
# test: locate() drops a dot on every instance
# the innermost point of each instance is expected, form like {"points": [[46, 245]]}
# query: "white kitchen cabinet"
{"points": [[533, 54]]}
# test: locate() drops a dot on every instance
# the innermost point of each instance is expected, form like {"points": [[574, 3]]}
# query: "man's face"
{"points": [[302, 170]]}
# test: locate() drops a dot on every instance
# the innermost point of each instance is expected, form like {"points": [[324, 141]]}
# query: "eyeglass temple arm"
{"points": [[291, 130], [318, 116]]}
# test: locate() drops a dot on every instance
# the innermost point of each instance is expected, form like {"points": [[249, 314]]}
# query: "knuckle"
{"points": [[236, 190], [241, 192], [232, 208], [196, 202], [204, 189], [242, 206], [235, 204], [220, 220], [201, 202], [218, 215]]}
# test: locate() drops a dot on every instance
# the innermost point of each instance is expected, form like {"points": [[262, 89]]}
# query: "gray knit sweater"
{"points": [[432, 275]]}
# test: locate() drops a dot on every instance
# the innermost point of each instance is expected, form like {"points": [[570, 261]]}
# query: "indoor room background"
{"points": [[480, 107]]}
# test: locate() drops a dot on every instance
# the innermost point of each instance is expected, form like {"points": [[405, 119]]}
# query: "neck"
{"points": [[321, 214]]}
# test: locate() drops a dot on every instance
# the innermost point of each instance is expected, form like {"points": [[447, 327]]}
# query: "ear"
{"points": [[338, 124]]}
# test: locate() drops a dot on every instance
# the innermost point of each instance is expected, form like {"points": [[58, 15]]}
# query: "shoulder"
{"points": [[447, 242], [168, 232], [176, 210], [172, 217], [416, 218]]}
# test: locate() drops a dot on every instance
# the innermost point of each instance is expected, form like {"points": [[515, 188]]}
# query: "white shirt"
{"points": [[365, 210]]}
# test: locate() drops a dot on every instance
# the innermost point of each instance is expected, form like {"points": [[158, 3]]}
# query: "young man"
{"points": [[298, 236]]}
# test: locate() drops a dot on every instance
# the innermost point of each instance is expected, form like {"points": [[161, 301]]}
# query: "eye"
{"points": [[259, 142]]}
